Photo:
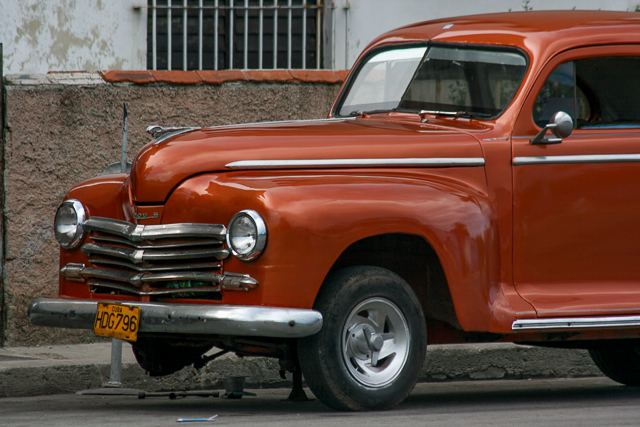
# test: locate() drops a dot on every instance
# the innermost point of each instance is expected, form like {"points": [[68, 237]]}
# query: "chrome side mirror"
{"points": [[561, 125]]}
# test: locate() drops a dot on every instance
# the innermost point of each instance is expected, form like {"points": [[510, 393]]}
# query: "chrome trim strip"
{"points": [[281, 122], [504, 138], [356, 163], [592, 158], [137, 233], [590, 135], [575, 323], [211, 319], [607, 310]]}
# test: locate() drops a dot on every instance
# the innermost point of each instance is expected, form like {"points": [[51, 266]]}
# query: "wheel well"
{"points": [[412, 258]]}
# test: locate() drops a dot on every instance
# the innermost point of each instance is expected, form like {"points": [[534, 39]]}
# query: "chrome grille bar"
{"points": [[166, 291], [137, 233], [113, 263], [171, 245], [180, 255], [138, 256], [226, 280]]}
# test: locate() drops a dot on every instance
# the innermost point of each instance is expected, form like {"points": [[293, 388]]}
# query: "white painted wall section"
{"points": [[39, 36]]}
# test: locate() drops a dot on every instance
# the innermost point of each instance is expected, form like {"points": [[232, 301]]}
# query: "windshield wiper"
{"points": [[361, 113], [464, 114], [422, 113], [442, 113]]}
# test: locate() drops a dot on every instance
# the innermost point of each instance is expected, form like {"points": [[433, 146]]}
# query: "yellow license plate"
{"points": [[117, 321]]}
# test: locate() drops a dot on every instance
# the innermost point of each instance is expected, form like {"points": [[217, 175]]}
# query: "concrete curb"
{"points": [[34, 371]]}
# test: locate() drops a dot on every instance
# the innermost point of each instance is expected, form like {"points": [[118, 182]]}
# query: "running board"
{"points": [[575, 323]]}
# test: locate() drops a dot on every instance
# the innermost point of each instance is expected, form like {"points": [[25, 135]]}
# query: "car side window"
{"points": [[599, 92]]}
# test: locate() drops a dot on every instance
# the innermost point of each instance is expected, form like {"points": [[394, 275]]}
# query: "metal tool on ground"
{"points": [[191, 420], [176, 394]]}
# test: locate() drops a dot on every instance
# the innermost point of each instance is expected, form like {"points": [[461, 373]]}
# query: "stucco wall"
{"points": [[62, 130]]}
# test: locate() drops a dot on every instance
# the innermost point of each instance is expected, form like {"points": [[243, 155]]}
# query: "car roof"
{"points": [[536, 32]]}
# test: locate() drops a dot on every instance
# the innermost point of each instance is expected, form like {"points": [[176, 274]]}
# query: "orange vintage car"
{"points": [[476, 180]]}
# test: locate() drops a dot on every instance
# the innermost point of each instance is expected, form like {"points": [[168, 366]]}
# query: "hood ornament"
{"points": [[161, 133]]}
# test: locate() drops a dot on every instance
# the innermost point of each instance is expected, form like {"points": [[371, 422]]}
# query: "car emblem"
{"points": [[146, 216]]}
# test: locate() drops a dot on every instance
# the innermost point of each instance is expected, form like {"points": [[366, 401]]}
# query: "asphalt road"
{"points": [[570, 402]]}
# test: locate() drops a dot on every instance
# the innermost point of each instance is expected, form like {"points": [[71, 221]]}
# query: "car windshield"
{"points": [[473, 82]]}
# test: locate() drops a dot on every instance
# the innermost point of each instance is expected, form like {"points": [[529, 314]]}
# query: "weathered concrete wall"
{"points": [[61, 134]]}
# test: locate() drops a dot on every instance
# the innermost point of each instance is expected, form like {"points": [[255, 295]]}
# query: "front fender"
{"points": [[105, 196], [312, 218]]}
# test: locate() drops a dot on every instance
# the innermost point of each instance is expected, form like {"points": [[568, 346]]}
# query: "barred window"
{"points": [[234, 34]]}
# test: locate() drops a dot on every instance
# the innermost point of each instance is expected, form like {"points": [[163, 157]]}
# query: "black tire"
{"points": [[618, 360], [160, 357], [366, 310]]}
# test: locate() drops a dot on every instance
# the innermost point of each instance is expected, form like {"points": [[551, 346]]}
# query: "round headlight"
{"points": [[247, 235], [68, 224]]}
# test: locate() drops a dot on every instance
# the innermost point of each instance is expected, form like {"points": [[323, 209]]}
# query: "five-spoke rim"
{"points": [[375, 342]]}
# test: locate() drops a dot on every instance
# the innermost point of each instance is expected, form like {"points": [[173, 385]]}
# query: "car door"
{"points": [[576, 203]]}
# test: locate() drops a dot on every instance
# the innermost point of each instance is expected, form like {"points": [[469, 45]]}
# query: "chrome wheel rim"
{"points": [[375, 342]]}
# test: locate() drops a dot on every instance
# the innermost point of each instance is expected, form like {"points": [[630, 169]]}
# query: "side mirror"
{"points": [[561, 125]]}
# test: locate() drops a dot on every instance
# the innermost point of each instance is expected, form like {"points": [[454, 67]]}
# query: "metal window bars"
{"points": [[228, 34]]}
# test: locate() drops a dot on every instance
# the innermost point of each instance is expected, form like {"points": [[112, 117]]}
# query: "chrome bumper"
{"points": [[185, 318]]}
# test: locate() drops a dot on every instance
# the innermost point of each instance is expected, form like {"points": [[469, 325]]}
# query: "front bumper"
{"points": [[185, 318]]}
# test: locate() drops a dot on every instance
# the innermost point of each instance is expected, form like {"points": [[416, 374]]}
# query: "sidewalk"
{"points": [[33, 371]]}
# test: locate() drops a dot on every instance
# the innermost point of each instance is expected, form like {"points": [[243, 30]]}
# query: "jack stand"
{"points": [[115, 376], [114, 386], [297, 392]]}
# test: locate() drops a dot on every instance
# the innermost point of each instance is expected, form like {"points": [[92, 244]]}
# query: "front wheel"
{"points": [[619, 360], [372, 345]]}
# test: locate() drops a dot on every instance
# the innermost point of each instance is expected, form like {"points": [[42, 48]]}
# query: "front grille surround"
{"points": [[176, 260]]}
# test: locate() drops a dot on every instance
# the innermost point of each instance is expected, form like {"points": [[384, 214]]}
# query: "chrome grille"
{"points": [[171, 259]]}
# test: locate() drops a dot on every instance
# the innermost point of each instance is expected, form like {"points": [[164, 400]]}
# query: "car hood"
{"points": [[160, 167]]}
